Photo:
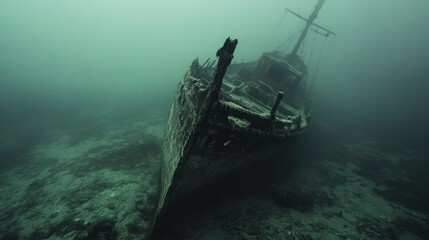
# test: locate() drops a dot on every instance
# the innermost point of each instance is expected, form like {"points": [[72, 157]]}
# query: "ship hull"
{"points": [[213, 132], [199, 150]]}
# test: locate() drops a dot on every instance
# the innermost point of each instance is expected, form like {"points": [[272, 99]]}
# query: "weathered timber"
{"points": [[188, 114]]}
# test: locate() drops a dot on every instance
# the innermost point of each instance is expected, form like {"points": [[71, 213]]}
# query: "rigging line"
{"points": [[329, 48], [277, 29], [303, 49], [312, 48], [281, 46], [294, 35], [306, 48], [310, 61], [317, 70], [291, 38], [288, 41], [281, 20], [325, 54]]}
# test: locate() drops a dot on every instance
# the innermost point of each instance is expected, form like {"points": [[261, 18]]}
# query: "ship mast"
{"points": [[310, 20]]}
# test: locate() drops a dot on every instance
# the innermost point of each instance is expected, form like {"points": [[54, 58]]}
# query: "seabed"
{"points": [[104, 185]]}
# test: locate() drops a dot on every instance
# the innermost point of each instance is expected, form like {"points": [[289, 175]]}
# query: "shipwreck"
{"points": [[229, 116]]}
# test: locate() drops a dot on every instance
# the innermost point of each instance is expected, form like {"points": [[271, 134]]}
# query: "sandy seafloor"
{"points": [[103, 183]]}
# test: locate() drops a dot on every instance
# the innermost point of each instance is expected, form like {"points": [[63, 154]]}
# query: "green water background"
{"points": [[63, 63]]}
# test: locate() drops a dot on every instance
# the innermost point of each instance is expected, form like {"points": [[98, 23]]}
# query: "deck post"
{"points": [[276, 105], [225, 55], [210, 95]]}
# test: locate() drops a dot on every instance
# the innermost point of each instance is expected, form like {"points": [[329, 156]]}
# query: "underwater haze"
{"points": [[85, 91]]}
